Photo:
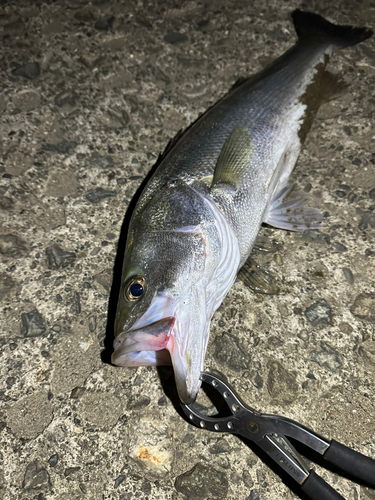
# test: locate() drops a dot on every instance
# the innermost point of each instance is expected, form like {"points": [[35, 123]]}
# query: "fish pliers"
{"points": [[269, 433]]}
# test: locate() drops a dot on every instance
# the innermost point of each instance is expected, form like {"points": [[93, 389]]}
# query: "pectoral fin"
{"points": [[233, 160], [257, 279], [288, 210]]}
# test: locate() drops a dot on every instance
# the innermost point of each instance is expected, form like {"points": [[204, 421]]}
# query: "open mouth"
{"points": [[155, 345], [146, 346], [168, 333]]}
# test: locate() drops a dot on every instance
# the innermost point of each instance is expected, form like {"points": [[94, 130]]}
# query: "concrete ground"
{"points": [[91, 92]]}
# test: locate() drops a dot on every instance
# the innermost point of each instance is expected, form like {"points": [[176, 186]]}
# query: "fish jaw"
{"points": [[140, 347], [187, 369], [170, 332]]}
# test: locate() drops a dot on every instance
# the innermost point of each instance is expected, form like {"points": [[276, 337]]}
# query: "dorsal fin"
{"points": [[171, 144]]}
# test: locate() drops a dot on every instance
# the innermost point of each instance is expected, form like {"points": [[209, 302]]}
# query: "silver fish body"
{"points": [[197, 219]]}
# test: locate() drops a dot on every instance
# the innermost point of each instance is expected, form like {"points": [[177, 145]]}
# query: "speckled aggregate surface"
{"points": [[91, 92]]}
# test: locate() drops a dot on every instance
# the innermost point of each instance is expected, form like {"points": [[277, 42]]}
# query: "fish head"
{"points": [[161, 316]]}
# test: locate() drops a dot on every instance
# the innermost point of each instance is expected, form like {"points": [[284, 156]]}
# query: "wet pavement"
{"points": [[91, 93]]}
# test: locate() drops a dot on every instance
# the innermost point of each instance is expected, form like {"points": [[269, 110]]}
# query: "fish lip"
{"points": [[152, 337], [158, 336], [168, 333], [126, 346]]}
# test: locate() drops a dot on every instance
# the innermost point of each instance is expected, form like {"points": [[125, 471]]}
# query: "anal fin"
{"points": [[264, 243], [288, 210], [258, 279]]}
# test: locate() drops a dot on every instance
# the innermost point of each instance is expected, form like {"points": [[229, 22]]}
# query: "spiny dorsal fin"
{"points": [[233, 160], [171, 144]]}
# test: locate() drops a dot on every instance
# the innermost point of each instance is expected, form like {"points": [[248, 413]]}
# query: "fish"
{"points": [[196, 221]]}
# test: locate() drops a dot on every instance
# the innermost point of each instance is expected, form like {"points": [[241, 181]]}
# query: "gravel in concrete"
{"points": [[90, 94]]}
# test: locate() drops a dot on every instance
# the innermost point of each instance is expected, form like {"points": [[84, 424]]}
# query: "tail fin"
{"points": [[309, 25]]}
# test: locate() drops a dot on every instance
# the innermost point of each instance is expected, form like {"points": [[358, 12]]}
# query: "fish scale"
{"points": [[262, 111], [196, 221]]}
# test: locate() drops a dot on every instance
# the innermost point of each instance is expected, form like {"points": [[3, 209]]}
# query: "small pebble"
{"points": [[35, 477], [105, 23], [175, 37], [348, 275], [57, 257], [319, 313], [341, 194], [33, 324], [53, 459], [98, 194], [120, 479], [29, 70], [339, 246], [92, 323]]}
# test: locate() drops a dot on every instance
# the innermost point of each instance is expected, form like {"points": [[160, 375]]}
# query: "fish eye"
{"points": [[135, 288]]}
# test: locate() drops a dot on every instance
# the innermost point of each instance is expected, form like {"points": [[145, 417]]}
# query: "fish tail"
{"points": [[309, 25]]}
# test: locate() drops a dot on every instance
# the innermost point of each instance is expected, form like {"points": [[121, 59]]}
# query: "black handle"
{"points": [[317, 489], [352, 462]]}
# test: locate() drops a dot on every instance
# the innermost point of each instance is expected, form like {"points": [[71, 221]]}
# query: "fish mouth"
{"points": [[172, 340], [144, 346]]}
